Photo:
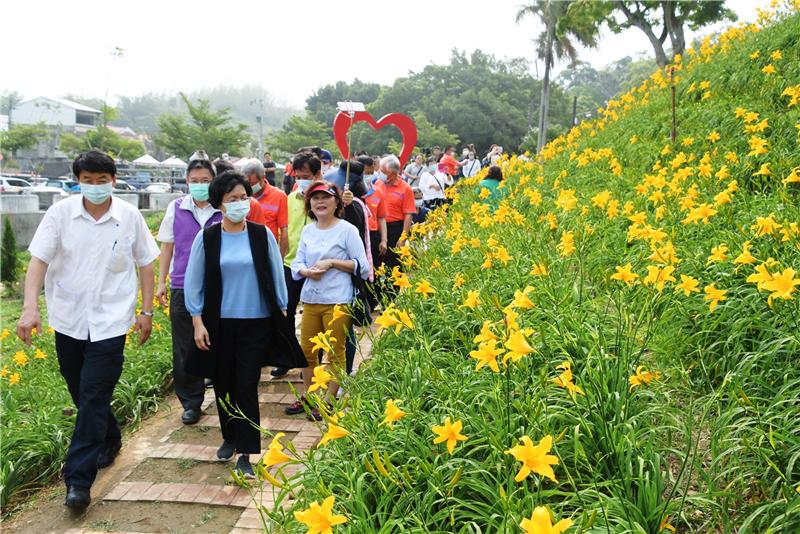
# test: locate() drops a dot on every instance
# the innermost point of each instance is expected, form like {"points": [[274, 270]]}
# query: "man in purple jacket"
{"points": [[184, 219]]}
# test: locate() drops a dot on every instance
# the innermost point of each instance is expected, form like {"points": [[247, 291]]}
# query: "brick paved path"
{"points": [[150, 454]]}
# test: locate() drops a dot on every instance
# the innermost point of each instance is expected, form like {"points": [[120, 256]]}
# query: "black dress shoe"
{"points": [[77, 498], [190, 416], [107, 454], [279, 372]]}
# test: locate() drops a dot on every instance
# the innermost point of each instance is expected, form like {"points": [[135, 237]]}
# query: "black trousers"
{"points": [[293, 288], [190, 389], [91, 370], [242, 343]]}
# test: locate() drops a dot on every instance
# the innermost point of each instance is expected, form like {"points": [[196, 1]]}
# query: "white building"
{"points": [[69, 115]]}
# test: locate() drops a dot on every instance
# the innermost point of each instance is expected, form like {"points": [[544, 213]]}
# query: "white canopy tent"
{"points": [[147, 159], [174, 162]]}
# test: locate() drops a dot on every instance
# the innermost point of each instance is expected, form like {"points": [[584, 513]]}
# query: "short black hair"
{"points": [[201, 164], [94, 161], [306, 157], [317, 151], [223, 165], [495, 173], [358, 187], [448, 147], [355, 167], [224, 184], [366, 161]]}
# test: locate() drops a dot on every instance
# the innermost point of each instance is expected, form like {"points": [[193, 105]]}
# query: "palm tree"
{"points": [[564, 20]]}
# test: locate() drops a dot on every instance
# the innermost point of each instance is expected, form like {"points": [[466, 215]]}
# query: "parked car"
{"points": [[9, 184], [158, 187], [44, 188], [67, 186], [123, 186]]}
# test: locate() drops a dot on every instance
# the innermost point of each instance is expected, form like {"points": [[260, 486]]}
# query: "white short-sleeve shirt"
{"points": [[91, 284]]}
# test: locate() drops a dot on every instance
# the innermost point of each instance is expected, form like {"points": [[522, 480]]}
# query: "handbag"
{"points": [[360, 308]]}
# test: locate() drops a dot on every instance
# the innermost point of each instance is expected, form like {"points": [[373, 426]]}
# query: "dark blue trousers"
{"points": [[91, 370], [350, 350]]}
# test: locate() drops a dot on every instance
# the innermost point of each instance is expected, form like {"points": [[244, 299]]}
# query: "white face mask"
{"points": [[326, 167], [256, 188], [236, 211], [302, 185], [418, 202]]}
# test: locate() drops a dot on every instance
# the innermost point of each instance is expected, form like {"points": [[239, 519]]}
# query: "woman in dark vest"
{"points": [[236, 294], [185, 218]]}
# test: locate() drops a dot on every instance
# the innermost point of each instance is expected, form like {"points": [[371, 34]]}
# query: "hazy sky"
{"points": [[291, 48]]}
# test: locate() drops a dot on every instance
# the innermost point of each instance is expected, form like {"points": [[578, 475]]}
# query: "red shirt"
{"points": [[451, 164], [275, 209], [377, 208], [399, 199], [255, 214]]}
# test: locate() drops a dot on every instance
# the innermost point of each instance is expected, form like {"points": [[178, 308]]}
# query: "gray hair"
{"points": [[253, 166], [391, 162]]}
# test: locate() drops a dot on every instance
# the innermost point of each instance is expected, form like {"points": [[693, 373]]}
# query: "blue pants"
{"points": [[91, 370]]}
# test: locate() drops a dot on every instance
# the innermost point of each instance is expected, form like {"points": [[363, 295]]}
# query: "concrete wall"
{"points": [[19, 203], [160, 201], [130, 198], [24, 225]]}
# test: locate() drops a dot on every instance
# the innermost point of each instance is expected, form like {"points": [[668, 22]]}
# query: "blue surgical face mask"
{"points": [[256, 188], [96, 194], [368, 178], [237, 211], [418, 202], [199, 192], [380, 176], [302, 185]]}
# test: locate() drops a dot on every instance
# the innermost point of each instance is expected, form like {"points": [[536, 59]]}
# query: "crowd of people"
{"points": [[240, 256]]}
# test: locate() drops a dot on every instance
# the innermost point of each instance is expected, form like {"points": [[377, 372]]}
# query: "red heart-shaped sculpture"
{"points": [[343, 122]]}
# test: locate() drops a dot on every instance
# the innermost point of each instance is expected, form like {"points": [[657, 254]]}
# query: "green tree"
{"points": [[300, 131], [322, 105], [204, 128], [672, 16], [8, 254], [8, 100], [563, 21], [104, 139], [23, 137]]}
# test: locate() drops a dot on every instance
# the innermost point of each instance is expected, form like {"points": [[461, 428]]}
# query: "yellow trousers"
{"points": [[319, 318]]}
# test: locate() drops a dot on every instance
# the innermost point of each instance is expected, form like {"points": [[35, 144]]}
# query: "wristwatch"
{"points": [[146, 313]]}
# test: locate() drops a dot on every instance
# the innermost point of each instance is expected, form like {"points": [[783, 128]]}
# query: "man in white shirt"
{"points": [[85, 252], [433, 185]]}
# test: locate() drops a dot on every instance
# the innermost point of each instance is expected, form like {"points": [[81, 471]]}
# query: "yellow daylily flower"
{"points": [[275, 454], [486, 354], [323, 340], [392, 413], [521, 299], [659, 276], [450, 433], [425, 288], [320, 379], [642, 377], [782, 285], [714, 296], [540, 522], [625, 274], [517, 346], [745, 257], [319, 518], [334, 432], [14, 379], [534, 458], [473, 299], [688, 285]]}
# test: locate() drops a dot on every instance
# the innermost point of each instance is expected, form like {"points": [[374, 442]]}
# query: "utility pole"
{"points": [[260, 121]]}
